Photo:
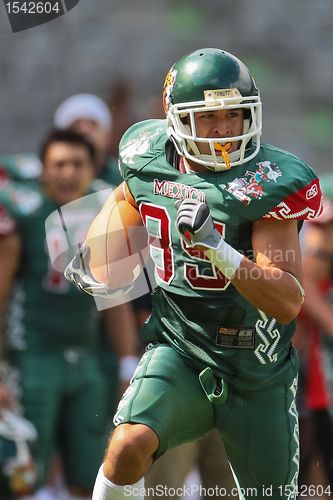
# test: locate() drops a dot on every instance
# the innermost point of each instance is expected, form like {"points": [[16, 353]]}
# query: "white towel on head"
{"points": [[80, 106]]}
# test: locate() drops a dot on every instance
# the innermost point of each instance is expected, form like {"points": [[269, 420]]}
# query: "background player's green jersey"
{"points": [[196, 308], [27, 168], [45, 312], [51, 328]]}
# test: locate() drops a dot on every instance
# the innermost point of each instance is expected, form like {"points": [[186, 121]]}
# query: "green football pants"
{"points": [[259, 428], [64, 396]]}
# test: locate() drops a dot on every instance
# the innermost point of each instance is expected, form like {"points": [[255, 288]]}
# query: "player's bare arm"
{"points": [[271, 282], [9, 259], [122, 332], [268, 283]]}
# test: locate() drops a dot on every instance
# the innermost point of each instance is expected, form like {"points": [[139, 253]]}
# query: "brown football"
{"points": [[118, 245]]}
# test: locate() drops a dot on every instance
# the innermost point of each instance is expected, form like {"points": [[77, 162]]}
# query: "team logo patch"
{"points": [[312, 192], [250, 187], [167, 89], [137, 146]]}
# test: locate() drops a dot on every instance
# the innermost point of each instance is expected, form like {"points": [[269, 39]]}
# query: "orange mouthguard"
{"points": [[224, 151]]}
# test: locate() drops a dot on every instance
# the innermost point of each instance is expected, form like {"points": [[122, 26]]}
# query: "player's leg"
{"points": [[169, 472], [41, 379], [83, 427], [260, 432], [216, 476], [163, 407]]}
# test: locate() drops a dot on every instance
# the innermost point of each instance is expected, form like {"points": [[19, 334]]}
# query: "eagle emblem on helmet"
{"points": [[167, 89]]}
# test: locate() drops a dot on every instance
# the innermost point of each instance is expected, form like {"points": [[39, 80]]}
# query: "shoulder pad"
{"points": [[298, 196], [277, 184], [141, 144]]}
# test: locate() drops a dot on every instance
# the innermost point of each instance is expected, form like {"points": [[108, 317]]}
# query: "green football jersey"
{"points": [[45, 311], [20, 167], [196, 308], [27, 167]]}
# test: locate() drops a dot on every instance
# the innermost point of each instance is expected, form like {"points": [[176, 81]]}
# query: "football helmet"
{"points": [[212, 79]]}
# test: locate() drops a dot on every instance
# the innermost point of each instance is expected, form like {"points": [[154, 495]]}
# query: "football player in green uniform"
{"points": [[51, 329], [222, 213], [89, 115]]}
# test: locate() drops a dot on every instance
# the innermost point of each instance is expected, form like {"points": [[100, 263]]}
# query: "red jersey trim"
{"points": [[305, 204]]}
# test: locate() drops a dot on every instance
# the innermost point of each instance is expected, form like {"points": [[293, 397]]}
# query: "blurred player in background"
{"points": [[83, 113], [228, 267], [314, 340], [51, 333], [90, 116], [17, 468]]}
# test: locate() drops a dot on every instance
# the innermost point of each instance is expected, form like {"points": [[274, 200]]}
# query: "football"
{"points": [[117, 240]]}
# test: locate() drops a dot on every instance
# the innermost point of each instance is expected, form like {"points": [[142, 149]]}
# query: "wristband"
{"points": [[225, 258], [127, 366]]}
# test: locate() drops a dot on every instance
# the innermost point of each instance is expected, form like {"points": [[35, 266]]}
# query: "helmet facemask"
{"points": [[182, 129]]}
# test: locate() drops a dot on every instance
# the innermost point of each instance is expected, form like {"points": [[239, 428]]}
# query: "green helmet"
{"points": [[211, 79]]}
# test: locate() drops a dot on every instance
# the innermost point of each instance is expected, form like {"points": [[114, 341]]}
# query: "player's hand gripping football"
{"points": [[78, 273], [195, 224]]}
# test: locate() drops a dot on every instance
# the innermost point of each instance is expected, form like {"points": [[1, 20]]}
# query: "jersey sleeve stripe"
{"points": [[304, 204]]}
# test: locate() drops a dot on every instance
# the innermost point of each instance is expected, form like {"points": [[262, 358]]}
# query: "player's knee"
{"points": [[131, 448]]}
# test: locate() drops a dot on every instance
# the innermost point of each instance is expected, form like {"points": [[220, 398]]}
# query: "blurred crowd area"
{"points": [[107, 46], [121, 51]]}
